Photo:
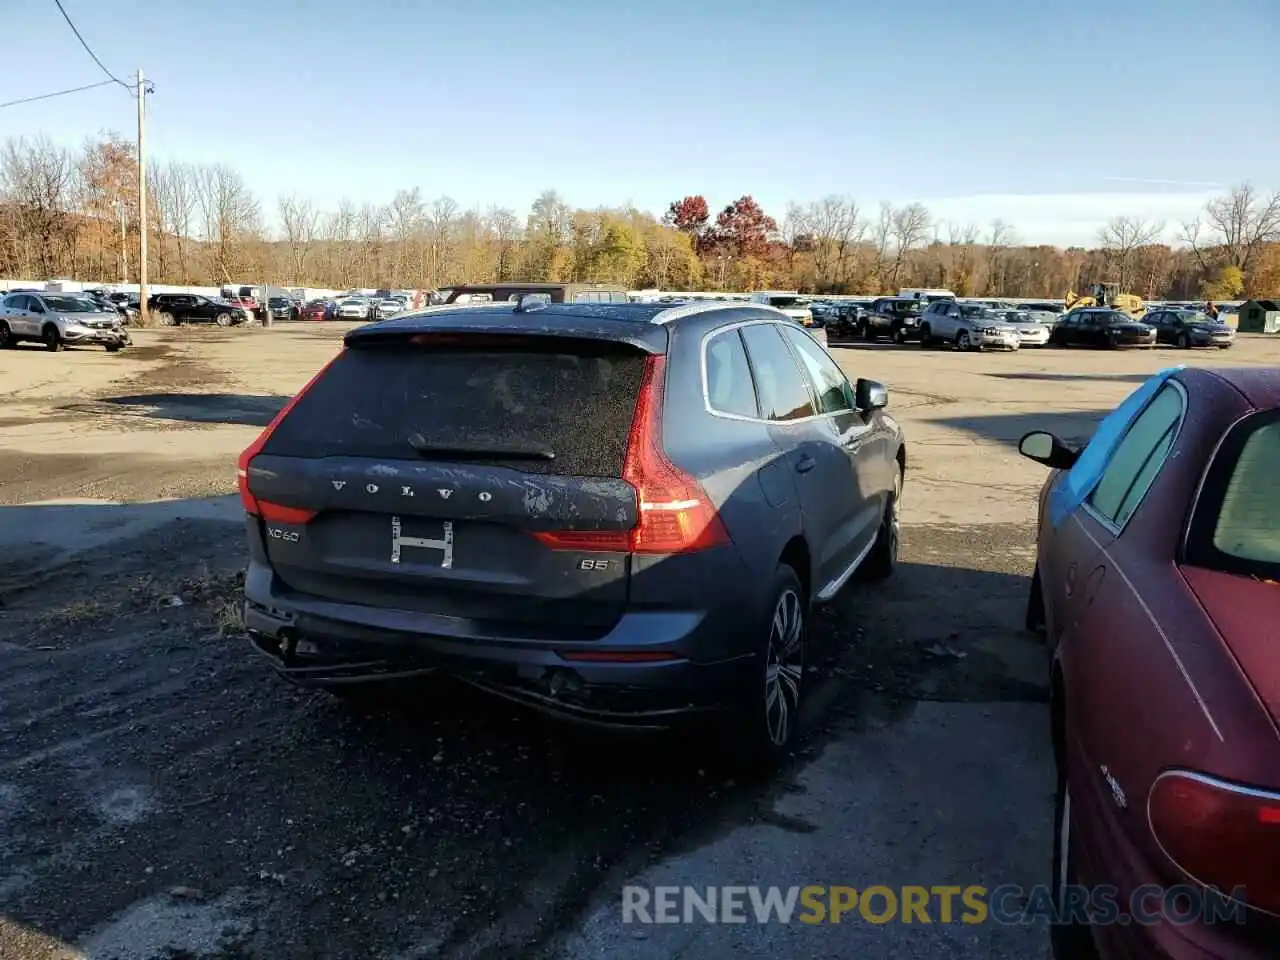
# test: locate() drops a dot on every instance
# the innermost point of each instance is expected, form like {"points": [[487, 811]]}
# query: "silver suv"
{"points": [[970, 326], [59, 320]]}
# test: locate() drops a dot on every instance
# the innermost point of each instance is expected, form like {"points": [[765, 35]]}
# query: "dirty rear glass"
{"points": [[371, 400]]}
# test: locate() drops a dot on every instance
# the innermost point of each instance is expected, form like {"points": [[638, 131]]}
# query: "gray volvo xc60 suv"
{"points": [[621, 513]]}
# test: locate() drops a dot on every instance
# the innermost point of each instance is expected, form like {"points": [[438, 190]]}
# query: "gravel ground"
{"points": [[164, 797]]}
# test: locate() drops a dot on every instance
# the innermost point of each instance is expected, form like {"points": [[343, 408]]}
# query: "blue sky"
{"points": [[1051, 116]]}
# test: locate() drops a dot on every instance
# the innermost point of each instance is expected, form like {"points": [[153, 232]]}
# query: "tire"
{"points": [[883, 558], [900, 336], [52, 338], [165, 319], [1035, 621], [926, 338], [223, 319], [763, 722], [1070, 941], [7, 342], [963, 342], [1184, 341], [113, 347]]}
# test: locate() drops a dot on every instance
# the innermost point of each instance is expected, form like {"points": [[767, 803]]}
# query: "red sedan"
{"points": [[319, 310], [1156, 587]]}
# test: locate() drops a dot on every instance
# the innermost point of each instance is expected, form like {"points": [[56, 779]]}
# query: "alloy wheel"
{"points": [[784, 667]]}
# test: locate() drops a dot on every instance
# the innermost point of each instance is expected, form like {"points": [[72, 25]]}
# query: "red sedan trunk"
{"points": [[1247, 614]]}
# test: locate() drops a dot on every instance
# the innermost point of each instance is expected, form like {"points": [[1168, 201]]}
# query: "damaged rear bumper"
{"points": [[599, 687]]}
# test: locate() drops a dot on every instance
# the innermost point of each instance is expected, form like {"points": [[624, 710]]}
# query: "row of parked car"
{"points": [[994, 324]]}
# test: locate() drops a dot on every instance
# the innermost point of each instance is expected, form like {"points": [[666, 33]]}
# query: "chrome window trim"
{"points": [[738, 325]]}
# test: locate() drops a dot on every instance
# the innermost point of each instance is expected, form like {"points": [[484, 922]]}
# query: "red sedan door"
{"points": [[1116, 661]]}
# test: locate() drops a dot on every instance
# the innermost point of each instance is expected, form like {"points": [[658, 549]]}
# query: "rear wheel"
{"points": [[6, 336], [1035, 621], [764, 721], [1184, 341], [52, 338], [1070, 936]]}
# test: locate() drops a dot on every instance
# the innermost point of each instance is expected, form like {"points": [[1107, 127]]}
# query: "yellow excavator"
{"points": [[1107, 295]]}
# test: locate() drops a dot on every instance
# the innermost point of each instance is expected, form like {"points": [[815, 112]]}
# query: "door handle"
{"points": [[805, 464]]}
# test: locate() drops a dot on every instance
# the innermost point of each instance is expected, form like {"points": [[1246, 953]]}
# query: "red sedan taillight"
{"points": [[1220, 834]]}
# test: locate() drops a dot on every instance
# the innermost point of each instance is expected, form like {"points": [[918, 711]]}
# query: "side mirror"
{"points": [[1047, 449], [870, 395]]}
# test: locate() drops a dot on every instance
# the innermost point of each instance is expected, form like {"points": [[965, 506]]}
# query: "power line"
{"points": [[87, 48], [61, 93]]}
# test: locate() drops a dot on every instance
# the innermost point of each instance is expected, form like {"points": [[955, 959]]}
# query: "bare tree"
{"points": [[230, 214], [370, 222], [505, 227], [406, 220], [1120, 237], [301, 223], [40, 181], [440, 240], [999, 240], [909, 228], [836, 227], [1234, 228]]}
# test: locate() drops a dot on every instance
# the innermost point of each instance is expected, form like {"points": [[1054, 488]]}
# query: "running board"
{"points": [[835, 586]]}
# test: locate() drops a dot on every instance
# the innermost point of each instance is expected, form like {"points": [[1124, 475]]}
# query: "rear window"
{"points": [[578, 404], [1237, 526]]}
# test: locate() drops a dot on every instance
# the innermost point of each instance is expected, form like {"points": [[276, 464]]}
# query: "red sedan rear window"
{"points": [[1237, 524]]}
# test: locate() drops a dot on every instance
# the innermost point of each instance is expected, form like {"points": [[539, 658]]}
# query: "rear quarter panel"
{"points": [[742, 471]]}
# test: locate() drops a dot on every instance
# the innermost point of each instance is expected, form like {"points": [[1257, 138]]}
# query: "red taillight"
{"points": [[273, 511], [1220, 834], [676, 515]]}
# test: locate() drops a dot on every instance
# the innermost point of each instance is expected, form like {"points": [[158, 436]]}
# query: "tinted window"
{"points": [[783, 392], [17, 301], [729, 386], [371, 400], [1237, 522], [1138, 458], [829, 383]]}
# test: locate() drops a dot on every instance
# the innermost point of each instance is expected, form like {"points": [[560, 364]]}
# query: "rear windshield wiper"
{"points": [[476, 451]]}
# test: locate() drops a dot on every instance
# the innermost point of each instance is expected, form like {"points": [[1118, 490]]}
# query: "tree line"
{"points": [[73, 213]]}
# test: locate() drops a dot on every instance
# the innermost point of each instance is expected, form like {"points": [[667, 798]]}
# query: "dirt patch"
{"points": [[171, 758]]}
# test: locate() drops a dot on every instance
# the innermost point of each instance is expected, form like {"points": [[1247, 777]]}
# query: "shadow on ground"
{"points": [[1104, 377], [1075, 428], [230, 408], [189, 780]]}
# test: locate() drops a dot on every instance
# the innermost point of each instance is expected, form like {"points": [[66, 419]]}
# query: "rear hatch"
{"points": [[451, 473]]}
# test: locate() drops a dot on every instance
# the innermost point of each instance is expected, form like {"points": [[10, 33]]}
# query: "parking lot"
{"points": [[162, 795]]}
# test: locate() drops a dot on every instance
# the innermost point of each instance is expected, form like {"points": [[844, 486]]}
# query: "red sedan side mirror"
{"points": [[1047, 449]]}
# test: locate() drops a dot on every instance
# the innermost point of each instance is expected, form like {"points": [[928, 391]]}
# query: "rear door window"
{"points": [[729, 385], [784, 395], [578, 403], [1137, 460]]}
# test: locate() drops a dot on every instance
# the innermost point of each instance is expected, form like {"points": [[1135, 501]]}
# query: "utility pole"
{"points": [[142, 199], [124, 243]]}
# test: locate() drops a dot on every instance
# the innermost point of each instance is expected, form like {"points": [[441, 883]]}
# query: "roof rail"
{"points": [[696, 307]]}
